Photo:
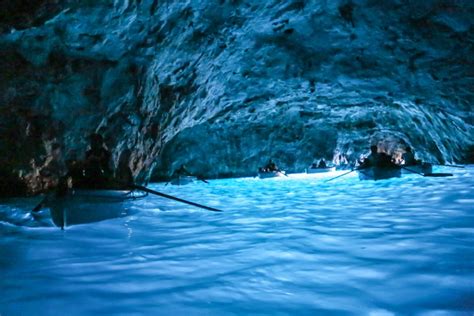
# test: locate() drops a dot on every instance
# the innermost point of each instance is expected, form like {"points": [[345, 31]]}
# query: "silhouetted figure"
{"points": [[74, 166], [322, 163], [343, 160], [97, 171], [372, 158], [75, 172], [182, 171], [123, 174], [385, 161], [271, 166], [340, 160], [376, 159], [409, 157]]}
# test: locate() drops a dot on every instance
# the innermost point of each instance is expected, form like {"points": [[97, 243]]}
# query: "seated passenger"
{"points": [[376, 159], [322, 163], [371, 159], [343, 160], [408, 157], [271, 166], [97, 171], [123, 174], [181, 171]]}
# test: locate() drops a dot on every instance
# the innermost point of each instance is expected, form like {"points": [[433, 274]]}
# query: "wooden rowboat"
{"points": [[271, 174], [379, 173], [182, 180], [87, 206]]}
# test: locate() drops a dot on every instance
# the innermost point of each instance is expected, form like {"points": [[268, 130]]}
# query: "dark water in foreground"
{"points": [[286, 246]]}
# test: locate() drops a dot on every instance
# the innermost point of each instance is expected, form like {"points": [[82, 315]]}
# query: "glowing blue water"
{"points": [[283, 246]]}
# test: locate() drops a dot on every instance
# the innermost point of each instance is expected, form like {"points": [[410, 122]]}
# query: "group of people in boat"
{"points": [[375, 158], [383, 160], [95, 171], [320, 165], [269, 167]]}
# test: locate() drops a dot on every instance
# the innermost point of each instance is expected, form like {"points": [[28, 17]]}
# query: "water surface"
{"points": [[285, 246]]}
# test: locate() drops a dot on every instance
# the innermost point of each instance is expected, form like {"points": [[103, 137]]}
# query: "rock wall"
{"points": [[223, 85]]}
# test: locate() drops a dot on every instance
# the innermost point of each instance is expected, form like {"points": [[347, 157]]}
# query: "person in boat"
{"points": [[408, 158], [336, 158], [75, 173], [322, 163], [376, 159], [343, 160], [340, 161], [371, 159], [182, 171], [271, 167], [97, 171], [123, 173], [74, 166]]}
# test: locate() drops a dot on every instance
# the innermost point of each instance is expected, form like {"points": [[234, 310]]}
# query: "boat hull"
{"points": [[377, 173], [183, 180], [422, 168], [88, 206], [320, 170], [270, 174], [344, 167]]}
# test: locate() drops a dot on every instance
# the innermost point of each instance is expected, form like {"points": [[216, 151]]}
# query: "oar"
{"points": [[202, 179], [413, 171], [428, 174], [60, 190], [40, 205], [341, 175], [145, 189], [453, 166], [440, 174]]}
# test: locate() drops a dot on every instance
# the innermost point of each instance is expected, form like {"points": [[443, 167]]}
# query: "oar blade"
{"points": [[441, 174], [40, 205], [37, 208], [202, 179]]}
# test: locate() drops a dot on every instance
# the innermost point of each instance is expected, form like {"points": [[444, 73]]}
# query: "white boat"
{"points": [[320, 170], [271, 174], [182, 180], [87, 206]]}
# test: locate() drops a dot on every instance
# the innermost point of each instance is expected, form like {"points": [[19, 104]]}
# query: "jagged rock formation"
{"points": [[224, 85]]}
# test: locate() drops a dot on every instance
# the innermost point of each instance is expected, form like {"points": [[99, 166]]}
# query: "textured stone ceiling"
{"points": [[224, 85]]}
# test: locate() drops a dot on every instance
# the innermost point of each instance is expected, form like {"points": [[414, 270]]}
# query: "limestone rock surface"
{"points": [[223, 85]]}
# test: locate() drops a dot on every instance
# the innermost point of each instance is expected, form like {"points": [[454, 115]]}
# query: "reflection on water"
{"points": [[296, 245]]}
